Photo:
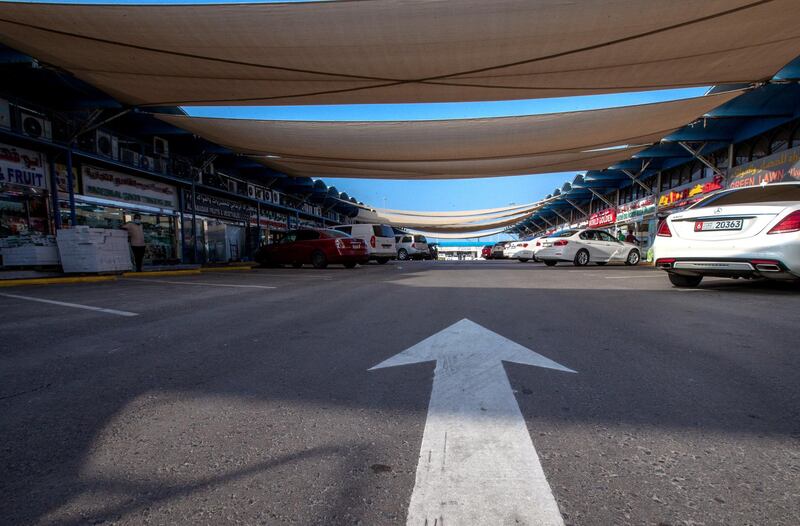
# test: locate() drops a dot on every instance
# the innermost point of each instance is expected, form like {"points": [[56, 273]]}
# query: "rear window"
{"points": [[760, 194], [420, 239], [564, 233], [346, 229], [382, 231]]}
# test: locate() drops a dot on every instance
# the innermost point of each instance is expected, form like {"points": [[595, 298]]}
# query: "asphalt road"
{"points": [[224, 400]]}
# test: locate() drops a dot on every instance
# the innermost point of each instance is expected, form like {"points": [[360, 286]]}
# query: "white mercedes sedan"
{"points": [[750, 232], [584, 246]]}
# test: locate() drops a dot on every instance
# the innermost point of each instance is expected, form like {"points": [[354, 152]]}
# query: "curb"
{"points": [[158, 273], [240, 268], [54, 281]]}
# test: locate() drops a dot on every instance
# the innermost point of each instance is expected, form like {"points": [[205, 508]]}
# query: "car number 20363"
{"points": [[727, 224]]}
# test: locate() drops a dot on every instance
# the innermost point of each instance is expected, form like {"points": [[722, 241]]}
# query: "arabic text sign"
{"points": [[108, 184], [775, 168], [22, 167]]}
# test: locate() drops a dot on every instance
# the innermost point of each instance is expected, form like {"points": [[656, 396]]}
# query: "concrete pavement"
{"points": [[245, 397]]}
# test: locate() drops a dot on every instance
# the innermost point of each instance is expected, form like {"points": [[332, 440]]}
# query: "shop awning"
{"points": [[443, 149], [404, 50]]}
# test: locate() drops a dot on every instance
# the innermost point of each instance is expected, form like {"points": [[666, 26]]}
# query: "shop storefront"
{"points": [[109, 199], [603, 218], [776, 168], [638, 217], [223, 230], [24, 205], [681, 197], [272, 225]]}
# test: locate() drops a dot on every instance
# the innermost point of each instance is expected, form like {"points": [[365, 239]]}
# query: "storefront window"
{"points": [[23, 212]]}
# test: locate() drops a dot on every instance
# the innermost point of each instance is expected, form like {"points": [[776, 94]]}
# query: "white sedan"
{"points": [[521, 250], [582, 246], [751, 232]]}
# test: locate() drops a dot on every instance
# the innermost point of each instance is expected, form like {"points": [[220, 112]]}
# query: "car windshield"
{"points": [[564, 233], [758, 194], [334, 233]]}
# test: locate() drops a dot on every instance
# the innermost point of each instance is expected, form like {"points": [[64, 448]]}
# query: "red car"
{"points": [[486, 252], [318, 247]]}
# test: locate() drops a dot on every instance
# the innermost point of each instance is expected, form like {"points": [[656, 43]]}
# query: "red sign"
{"points": [[603, 218]]}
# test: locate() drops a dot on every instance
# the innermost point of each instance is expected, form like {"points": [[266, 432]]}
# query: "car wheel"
{"points": [[633, 258], [350, 264], [684, 281], [550, 263], [601, 263], [297, 264], [402, 254], [581, 258], [319, 260], [382, 261], [523, 260]]}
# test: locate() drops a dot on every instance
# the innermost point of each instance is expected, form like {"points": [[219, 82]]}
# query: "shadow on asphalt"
{"points": [[651, 359]]}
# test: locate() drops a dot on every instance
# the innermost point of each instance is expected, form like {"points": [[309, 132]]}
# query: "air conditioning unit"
{"points": [[106, 145], [233, 186], [5, 114], [147, 163], [276, 197], [35, 126], [160, 147], [160, 165], [129, 157]]}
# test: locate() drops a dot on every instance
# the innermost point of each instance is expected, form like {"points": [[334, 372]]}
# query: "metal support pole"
{"points": [[196, 258], [562, 217], [71, 189], [730, 157], [696, 155], [603, 199], [54, 195], [576, 207], [182, 204]]}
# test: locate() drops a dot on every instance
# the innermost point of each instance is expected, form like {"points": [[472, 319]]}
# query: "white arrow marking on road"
{"points": [[477, 464]]}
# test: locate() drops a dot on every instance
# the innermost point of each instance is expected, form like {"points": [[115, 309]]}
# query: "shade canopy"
{"points": [[444, 223], [460, 148], [384, 51]]}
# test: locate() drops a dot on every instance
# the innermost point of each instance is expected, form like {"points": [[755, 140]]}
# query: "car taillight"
{"points": [[413, 245], [560, 243], [663, 230], [790, 223], [339, 244], [665, 262], [524, 245], [372, 241], [538, 244]]}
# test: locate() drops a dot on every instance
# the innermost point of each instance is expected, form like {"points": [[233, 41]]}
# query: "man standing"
{"points": [[136, 238]]}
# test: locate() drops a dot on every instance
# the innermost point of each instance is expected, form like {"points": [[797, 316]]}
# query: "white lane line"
{"points": [[201, 283], [73, 305]]}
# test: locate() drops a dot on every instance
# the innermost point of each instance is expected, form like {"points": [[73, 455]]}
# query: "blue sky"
{"points": [[435, 195]]}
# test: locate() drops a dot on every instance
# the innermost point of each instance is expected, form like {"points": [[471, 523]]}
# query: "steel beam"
{"points": [[697, 155]]}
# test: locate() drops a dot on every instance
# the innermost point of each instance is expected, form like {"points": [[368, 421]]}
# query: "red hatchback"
{"points": [[318, 247]]}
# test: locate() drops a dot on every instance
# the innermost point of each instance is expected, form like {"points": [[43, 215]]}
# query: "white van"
{"points": [[378, 238]]}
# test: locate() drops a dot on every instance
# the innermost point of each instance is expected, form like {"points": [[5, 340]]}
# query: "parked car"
{"points": [[319, 247], [520, 250], [379, 240], [412, 246], [486, 252], [750, 232], [582, 246], [497, 250]]}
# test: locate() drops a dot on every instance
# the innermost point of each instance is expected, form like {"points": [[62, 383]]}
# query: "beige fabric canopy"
{"points": [[468, 235], [464, 227], [459, 148], [381, 51], [478, 222]]}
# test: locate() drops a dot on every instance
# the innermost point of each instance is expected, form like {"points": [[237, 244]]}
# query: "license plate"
{"points": [[356, 245], [720, 224]]}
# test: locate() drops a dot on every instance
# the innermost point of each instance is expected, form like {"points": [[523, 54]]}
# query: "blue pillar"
{"points": [[70, 187], [54, 194]]}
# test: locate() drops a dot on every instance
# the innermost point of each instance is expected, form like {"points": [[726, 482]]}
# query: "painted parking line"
{"points": [[634, 277], [201, 283], [73, 305]]}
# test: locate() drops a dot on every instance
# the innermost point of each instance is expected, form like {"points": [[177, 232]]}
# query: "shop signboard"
{"points": [[108, 184], [22, 167], [686, 195], [776, 168], [636, 210], [603, 218], [61, 178], [219, 207]]}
